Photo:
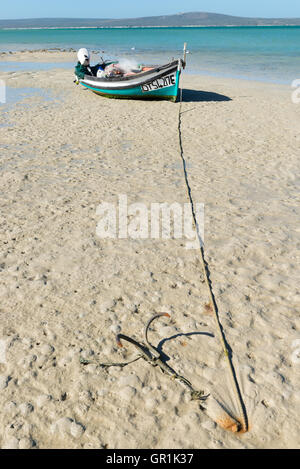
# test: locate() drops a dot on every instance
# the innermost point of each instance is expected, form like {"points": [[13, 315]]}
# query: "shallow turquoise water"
{"points": [[18, 96], [6, 66], [262, 53]]}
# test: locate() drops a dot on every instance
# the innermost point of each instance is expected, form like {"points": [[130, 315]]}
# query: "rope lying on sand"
{"points": [[152, 355], [243, 414]]}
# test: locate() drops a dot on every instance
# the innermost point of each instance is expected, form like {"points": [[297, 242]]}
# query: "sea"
{"points": [[264, 53]]}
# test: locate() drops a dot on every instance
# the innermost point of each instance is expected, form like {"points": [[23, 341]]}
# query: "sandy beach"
{"points": [[66, 293]]}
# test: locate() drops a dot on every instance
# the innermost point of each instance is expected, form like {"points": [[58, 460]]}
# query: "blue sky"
{"points": [[134, 8]]}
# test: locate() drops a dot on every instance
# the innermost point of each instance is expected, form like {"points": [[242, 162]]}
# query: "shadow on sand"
{"points": [[193, 96]]}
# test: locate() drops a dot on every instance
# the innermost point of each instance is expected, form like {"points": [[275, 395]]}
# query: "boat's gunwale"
{"points": [[174, 64]]}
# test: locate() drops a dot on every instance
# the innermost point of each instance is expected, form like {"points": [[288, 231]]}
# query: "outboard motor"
{"points": [[84, 57]]}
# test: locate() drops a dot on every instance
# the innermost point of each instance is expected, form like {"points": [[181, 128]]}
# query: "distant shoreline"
{"points": [[154, 27]]}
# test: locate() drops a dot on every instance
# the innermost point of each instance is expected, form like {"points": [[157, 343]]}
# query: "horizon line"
{"points": [[148, 16]]}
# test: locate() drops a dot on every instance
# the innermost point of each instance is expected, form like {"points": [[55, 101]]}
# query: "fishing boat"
{"points": [[149, 82]]}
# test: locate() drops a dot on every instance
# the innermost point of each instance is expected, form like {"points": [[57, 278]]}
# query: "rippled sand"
{"points": [[65, 292]]}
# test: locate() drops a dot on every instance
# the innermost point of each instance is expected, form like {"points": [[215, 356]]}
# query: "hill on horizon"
{"points": [[177, 20]]}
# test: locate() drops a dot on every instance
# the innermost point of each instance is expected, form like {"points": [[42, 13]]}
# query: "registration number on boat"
{"points": [[159, 83]]}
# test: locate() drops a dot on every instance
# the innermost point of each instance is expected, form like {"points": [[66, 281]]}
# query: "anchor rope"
{"points": [[206, 273]]}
